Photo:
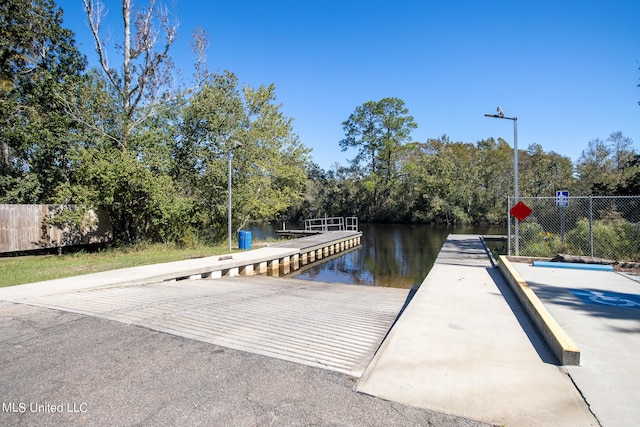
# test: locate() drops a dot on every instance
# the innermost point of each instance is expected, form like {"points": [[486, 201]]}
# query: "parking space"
{"points": [[600, 311]]}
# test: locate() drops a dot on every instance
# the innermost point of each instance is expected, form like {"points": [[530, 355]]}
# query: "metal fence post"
{"points": [[508, 226], [591, 224]]}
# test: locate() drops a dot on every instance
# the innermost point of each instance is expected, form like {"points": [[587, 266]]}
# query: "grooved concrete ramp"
{"points": [[331, 326]]}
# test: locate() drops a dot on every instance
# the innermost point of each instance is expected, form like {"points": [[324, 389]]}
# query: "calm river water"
{"points": [[393, 255]]}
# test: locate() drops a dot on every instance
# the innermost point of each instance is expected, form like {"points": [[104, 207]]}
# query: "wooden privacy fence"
{"points": [[30, 227]]}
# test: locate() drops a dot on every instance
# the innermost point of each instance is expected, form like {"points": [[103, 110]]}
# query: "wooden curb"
{"points": [[561, 344]]}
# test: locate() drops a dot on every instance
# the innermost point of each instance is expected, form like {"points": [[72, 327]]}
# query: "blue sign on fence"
{"points": [[612, 299], [562, 198]]}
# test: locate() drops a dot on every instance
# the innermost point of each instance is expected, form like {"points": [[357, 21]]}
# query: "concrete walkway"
{"points": [[464, 346], [144, 274], [245, 263], [600, 311]]}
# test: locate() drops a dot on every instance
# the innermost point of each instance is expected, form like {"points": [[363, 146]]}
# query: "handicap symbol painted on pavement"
{"points": [[612, 299]]}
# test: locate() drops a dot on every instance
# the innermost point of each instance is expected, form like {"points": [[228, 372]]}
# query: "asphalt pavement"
{"points": [[61, 368]]}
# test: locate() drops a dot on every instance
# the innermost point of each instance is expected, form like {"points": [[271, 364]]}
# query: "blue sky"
{"points": [[567, 69]]}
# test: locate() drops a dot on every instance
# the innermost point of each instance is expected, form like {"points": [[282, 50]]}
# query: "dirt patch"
{"points": [[627, 267]]}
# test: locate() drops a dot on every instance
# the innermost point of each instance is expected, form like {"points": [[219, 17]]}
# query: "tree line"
{"points": [[444, 182], [152, 150]]}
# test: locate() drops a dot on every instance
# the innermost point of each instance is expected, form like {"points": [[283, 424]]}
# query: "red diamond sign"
{"points": [[520, 211]]}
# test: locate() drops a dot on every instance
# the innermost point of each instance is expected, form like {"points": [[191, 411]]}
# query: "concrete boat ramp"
{"points": [[462, 346], [336, 327], [238, 302]]}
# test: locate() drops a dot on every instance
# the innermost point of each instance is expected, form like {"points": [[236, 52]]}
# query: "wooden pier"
{"points": [[275, 260], [313, 248], [278, 259]]}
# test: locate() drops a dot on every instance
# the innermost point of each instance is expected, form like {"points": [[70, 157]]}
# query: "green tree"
{"points": [[131, 107], [336, 192], [447, 181], [268, 165], [602, 167], [379, 132], [311, 205], [134, 186], [495, 174], [622, 150], [272, 166], [542, 174], [38, 59], [631, 184], [142, 204], [595, 168]]}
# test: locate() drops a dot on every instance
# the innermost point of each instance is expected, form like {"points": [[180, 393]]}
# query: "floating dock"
{"points": [[275, 260]]}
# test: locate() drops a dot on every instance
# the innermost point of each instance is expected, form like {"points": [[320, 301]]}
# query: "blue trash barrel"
{"points": [[247, 240], [241, 237]]}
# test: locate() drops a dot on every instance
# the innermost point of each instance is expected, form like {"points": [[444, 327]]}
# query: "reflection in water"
{"points": [[398, 256], [392, 255]]}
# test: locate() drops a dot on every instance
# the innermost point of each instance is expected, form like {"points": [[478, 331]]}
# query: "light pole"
{"points": [[501, 115], [235, 145]]}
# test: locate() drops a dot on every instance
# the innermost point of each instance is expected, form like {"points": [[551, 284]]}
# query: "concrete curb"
{"points": [[561, 344]]}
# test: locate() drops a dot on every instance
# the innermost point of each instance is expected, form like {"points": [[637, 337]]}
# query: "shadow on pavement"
{"points": [[536, 339]]}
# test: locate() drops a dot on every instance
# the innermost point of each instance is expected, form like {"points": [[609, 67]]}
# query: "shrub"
{"points": [[536, 242]]}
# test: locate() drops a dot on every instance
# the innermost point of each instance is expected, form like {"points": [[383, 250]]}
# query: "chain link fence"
{"points": [[598, 226]]}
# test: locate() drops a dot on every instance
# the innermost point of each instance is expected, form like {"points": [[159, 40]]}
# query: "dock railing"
{"points": [[351, 223], [331, 224]]}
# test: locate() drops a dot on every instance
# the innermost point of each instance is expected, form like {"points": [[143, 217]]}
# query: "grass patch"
{"points": [[36, 268]]}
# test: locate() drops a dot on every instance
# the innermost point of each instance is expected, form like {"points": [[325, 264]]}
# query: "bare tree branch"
{"points": [[200, 45], [73, 112], [95, 13], [144, 83]]}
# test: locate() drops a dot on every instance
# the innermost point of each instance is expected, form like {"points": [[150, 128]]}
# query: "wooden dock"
{"points": [[318, 246], [275, 260], [297, 233]]}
